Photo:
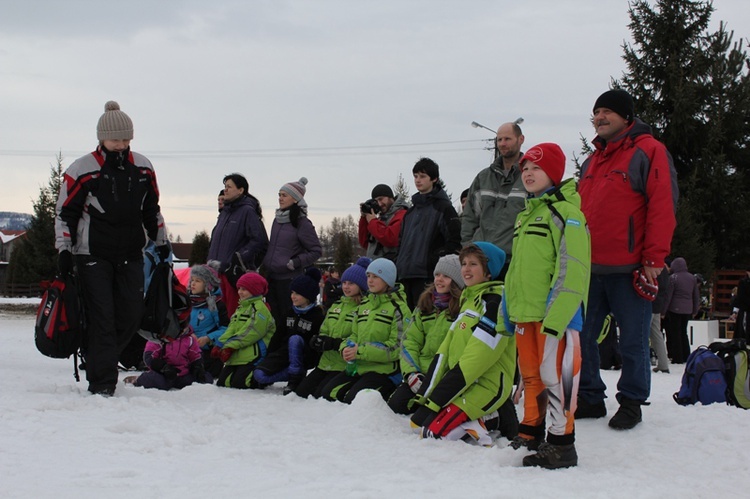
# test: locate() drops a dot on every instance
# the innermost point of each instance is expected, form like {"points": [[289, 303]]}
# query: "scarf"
{"points": [[441, 300]]}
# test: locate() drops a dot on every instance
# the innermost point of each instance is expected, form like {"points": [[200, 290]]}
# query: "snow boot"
{"points": [[586, 410], [552, 456], [627, 416], [532, 443]]}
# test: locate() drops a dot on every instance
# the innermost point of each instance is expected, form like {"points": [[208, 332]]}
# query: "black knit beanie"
{"points": [[619, 101]]}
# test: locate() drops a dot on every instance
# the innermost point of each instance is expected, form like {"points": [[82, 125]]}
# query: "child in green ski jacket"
{"points": [[245, 342], [436, 310], [472, 374], [372, 350]]}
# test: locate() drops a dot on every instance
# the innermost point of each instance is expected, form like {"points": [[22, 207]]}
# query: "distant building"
{"points": [[9, 240]]}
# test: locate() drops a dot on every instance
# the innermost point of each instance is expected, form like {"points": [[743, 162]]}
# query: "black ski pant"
{"points": [[113, 304]]}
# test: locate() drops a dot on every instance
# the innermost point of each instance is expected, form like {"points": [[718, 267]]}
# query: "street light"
{"points": [[479, 125]]}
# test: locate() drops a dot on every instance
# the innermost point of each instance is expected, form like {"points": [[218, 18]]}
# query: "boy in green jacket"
{"points": [[245, 342], [372, 350], [545, 295], [472, 374]]}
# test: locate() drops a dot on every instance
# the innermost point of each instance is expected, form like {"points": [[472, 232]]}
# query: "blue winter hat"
{"points": [[385, 269], [495, 257], [307, 284], [357, 274]]}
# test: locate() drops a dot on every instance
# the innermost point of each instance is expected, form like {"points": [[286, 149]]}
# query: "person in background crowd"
{"points": [[293, 247], [239, 239], [496, 196], [741, 307], [107, 206], [379, 229], [430, 229], [220, 200], [683, 302], [656, 337]]}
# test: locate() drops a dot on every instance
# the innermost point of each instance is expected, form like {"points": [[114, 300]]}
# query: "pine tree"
{"points": [[36, 257], [401, 188], [199, 250], [691, 86], [344, 253]]}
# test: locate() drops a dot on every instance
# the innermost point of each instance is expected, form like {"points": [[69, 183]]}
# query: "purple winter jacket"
{"points": [[300, 244], [180, 353], [238, 228], [683, 296]]}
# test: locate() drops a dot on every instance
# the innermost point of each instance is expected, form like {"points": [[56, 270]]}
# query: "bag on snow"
{"points": [[166, 304], [703, 380], [735, 355], [58, 332]]}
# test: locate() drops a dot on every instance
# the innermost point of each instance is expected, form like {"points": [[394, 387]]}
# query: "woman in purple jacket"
{"points": [[239, 239], [294, 245], [683, 302]]}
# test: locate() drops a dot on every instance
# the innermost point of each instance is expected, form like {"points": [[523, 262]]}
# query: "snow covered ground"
{"points": [[57, 440]]}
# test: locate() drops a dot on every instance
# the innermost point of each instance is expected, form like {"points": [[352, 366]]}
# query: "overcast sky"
{"points": [[277, 90]]}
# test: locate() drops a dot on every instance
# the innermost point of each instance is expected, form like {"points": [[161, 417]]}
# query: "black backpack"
{"points": [[735, 356], [59, 327], [166, 305]]}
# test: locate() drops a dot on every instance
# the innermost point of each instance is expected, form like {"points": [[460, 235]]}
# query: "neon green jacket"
{"points": [[422, 340], [337, 324], [548, 278], [378, 331], [476, 362], [249, 332]]}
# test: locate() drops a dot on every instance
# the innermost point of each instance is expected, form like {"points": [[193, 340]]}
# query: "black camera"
{"points": [[369, 206]]}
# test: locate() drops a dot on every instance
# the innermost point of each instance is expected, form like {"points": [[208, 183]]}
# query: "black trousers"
{"points": [[345, 388], [314, 383], [279, 297], [678, 345], [113, 303]]}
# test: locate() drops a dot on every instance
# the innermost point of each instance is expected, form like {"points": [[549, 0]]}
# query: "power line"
{"points": [[282, 152]]}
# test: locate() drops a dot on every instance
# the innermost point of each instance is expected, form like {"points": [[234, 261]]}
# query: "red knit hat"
{"points": [[254, 283], [549, 157]]}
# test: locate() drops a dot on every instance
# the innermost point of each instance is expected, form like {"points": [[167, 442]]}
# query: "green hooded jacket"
{"points": [[249, 332], [337, 324], [548, 278], [422, 340], [475, 365], [378, 331]]}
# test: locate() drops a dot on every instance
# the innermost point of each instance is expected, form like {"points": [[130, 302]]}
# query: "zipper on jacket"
{"points": [[631, 234]]}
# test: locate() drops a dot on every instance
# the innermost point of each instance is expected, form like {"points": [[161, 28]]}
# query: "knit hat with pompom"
{"points": [[114, 124]]}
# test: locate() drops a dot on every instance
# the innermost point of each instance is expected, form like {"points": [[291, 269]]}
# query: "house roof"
{"points": [[7, 236]]}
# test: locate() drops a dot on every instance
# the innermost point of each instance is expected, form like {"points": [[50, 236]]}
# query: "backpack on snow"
{"points": [[59, 326], [703, 380], [735, 356]]}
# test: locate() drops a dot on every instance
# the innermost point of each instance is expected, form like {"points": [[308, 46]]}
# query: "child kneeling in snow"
{"points": [[289, 355], [436, 310], [336, 328], [372, 350], [208, 316], [245, 342], [472, 374]]}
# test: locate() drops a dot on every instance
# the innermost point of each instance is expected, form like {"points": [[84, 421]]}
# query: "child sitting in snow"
{"points": [[208, 317], [472, 374], [246, 339], [289, 356], [173, 362], [336, 328], [436, 310], [372, 350]]}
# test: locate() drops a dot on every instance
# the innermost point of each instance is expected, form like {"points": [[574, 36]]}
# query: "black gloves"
{"points": [[168, 370], [323, 343], [65, 263], [163, 251], [198, 371]]}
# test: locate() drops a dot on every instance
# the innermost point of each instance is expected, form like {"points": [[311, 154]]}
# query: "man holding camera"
{"points": [[380, 223]]}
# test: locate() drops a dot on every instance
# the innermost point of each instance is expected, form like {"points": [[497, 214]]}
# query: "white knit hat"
{"points": [[114, 124], [449, 265]]}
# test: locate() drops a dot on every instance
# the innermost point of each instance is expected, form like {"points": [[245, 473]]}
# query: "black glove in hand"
{"points": [[323, 343], [235, 270], [169, 371], [163, 251], [65, 263], [198, 371]]}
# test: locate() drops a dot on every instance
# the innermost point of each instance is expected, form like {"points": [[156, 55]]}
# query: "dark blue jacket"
{"points": [[238, 229]]}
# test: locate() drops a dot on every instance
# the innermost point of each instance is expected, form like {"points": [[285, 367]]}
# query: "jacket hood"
{"points": [[566, 191], [437, 192], [400, 203], [679, 265]]}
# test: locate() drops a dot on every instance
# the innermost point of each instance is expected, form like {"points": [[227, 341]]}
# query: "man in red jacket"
{"points": [[379, 229], [628, 191]]}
